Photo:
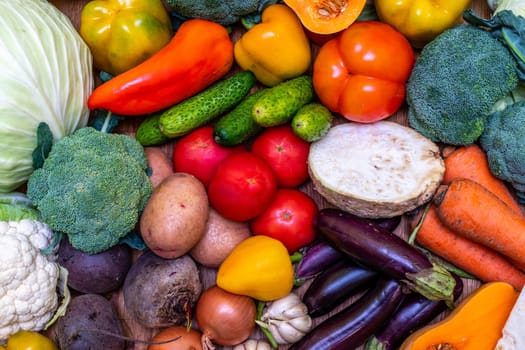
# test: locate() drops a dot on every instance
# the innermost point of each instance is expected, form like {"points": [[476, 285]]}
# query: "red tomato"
{"points": [[242, 187], [285, 152], [362, 73], [289, 218], [199, 155]]}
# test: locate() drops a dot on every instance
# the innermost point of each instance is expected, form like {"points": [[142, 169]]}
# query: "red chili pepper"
{"points": [[199, 53]]}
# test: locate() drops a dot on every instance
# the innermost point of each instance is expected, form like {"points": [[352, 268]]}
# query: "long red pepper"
{"points": [[199, 53]]}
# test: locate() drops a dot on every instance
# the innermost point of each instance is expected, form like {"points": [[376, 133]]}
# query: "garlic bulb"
{"points": [[252, 344], [287, 319]]}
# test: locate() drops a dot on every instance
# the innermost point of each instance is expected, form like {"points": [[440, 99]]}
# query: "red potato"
{"points": [[175, 216], [159, 164]]}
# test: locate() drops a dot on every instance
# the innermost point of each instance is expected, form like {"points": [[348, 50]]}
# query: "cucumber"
{"points": [[238, 125], [280, 103], [148, 132], [312, 121], [201, 108]]}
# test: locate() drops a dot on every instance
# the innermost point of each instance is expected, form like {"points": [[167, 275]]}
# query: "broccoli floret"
{"points": [[92, 187], [502, 141], [223, 12], [455, 81]]}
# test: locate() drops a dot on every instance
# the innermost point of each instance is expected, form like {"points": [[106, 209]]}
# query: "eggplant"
{"points": [[316, 259], [321, 255], [414, 312], [336, 284], [385, 252], [389, 224], [352, 326]]}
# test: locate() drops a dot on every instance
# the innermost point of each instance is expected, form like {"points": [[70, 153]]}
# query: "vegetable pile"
{"points": [[261, 176]]}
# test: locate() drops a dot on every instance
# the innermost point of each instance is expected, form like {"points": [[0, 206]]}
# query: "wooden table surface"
{"points": [[73, 8]]}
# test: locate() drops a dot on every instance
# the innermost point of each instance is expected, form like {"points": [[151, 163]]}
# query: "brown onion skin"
{"points": [[225, 318], [185, 339]]}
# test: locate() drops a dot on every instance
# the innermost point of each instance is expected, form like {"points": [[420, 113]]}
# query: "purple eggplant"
{"points": [[414, 312], [320, 255], [316, 259], [386, 253], [336, 284], [389, 224], [352, 326]]}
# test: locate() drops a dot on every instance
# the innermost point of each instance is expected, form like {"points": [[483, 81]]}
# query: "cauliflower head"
{"points": [[28, 278], [92, 187]]}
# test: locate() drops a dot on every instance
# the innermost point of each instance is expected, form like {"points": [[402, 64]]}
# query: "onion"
{"points": [[224, 318], [186, 339]]}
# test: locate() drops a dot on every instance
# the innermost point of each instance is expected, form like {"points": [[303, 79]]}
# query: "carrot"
{"points": [[474, 258], [477, 214], [471, 162]]}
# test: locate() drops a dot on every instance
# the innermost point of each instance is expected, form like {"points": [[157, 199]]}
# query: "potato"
{"points": [[91, 322], [159, 163], [175, 216], [221, 236], [375, 170]]}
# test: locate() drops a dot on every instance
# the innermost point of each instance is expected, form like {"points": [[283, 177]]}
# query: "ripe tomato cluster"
{"points": [[256, 183]]}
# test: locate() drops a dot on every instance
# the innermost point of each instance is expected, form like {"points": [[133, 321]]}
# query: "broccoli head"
{"points": [[92, 187], [455, 82], [223, 12], [502, 141]]}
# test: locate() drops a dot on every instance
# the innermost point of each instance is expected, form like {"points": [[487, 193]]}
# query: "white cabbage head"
{"points": [[45, 76]]}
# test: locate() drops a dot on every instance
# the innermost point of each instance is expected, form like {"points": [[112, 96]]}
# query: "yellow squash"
{"points": [[475, 324], [122, 34], [421, 20], [258, 267], [276, 49]]}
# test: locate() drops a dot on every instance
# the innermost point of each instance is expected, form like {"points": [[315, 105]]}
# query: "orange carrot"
{"points": [[471, 257], [477, 214], [470, 162]]}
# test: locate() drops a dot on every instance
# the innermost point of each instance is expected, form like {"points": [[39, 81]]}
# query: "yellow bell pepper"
{"points": [[276, 49], [421, 20], [122, 34], [258, 267]]}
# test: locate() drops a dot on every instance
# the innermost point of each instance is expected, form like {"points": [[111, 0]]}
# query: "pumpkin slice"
{"points": [[326, 16], [375, 170], [475, 324]]}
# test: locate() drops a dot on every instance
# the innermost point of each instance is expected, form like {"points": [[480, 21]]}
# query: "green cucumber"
{"points": [[312, 121], [148, 132], [280, 103], [237, 126], [201, 108]]}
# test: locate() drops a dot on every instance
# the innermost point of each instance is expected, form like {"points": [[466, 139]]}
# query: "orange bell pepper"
{"points": [[199, 53]]}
